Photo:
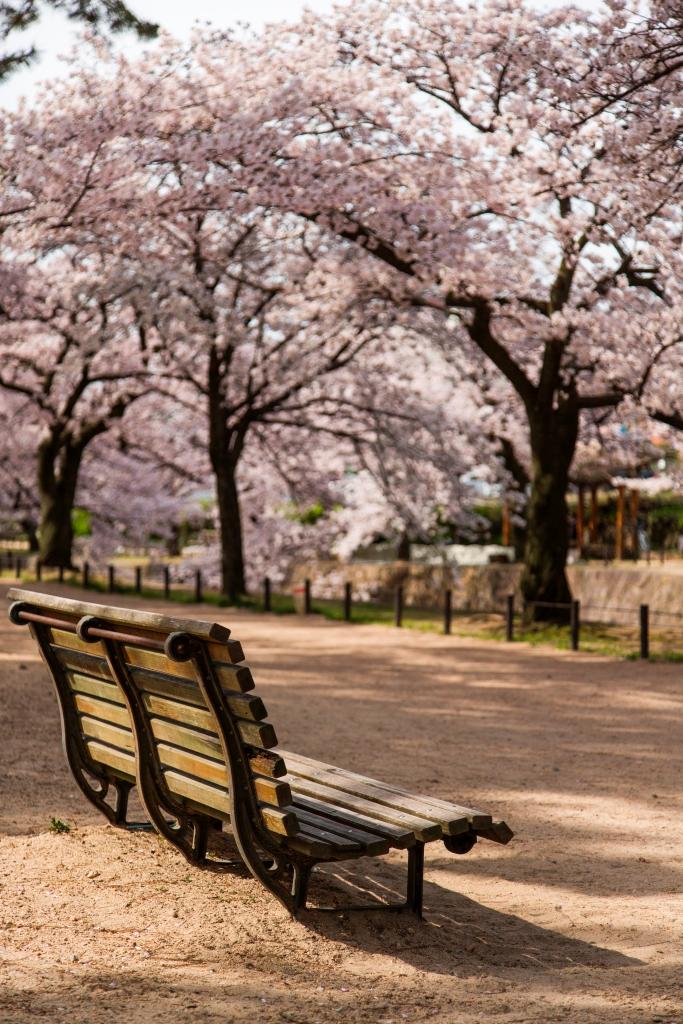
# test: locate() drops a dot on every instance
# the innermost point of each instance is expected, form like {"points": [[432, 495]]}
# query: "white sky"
{"points": [[54, 35]]}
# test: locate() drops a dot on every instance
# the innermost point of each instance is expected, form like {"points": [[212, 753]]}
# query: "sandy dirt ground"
{"points": [[580, 919]]}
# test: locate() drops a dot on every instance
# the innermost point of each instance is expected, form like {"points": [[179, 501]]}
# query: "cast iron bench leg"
{"points": [[412, 902]]}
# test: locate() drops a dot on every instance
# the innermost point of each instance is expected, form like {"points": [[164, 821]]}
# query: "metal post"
{"points": [[167, 583], [60, 572], [347, 602], [111, 578], [398, 606], [39, 570], [510, 617], [17, 567], [574, 624], [447, 611], [198, 595], [138, 579], [645, 631], [266, 594], [307, 597], [86, 575]]}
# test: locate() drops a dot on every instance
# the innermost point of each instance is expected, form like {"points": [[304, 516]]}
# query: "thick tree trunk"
{"points": [[225, 449], [553, 435], [232, 548], [58, 469]]}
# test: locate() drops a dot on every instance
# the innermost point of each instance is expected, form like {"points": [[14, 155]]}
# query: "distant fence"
{"points": [[162, 581]]}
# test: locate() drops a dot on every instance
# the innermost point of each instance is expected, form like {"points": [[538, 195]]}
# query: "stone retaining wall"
{"points": [[607, 593]]}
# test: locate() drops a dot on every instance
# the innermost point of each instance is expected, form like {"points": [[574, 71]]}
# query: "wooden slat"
{"points": [[256, 734], [77, 661], [339, 843], [372, 845], [277, 794], [74, 643], [499, 832], [401, 838], [272, 791], [423, 829], [101, 709], [93, 728], [265, 762], [189, 739], [449, 816], [268, 790], [231, 676], [200, 768], [213, 797], [112, 757], [82, 683], [275, 820], [121, 617], [241, 704], [158, 662]]}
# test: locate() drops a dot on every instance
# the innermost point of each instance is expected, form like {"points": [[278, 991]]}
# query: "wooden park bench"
{"points": [[167, 705]]}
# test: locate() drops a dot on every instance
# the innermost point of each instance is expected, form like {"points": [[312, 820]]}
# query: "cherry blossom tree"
{"points": [[74, 347], [426, 136]]}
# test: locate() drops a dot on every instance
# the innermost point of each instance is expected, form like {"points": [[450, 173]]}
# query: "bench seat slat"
{"points": [[422, 828], [400, 838], [337, 842], [449, 816], [373, 845]]}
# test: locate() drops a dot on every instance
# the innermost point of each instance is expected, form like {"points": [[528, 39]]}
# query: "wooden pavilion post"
{"points": [[505, 524], [619, 532], [593, 533], [580, 519], [635, 499]]}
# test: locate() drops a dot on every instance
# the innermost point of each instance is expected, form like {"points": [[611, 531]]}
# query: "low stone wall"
{"points": [[615, 593], [475, 588], [606, 593]]}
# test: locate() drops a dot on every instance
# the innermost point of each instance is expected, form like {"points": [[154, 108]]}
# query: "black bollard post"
{"points": [[111, 578], [347, 602], [60, 573], [86, 575], [447, 611], [266, 594], [198, 586], [398, 606], [645, 631], [307, 597], [574, 624], [39, 570], [138, 579], [510, 617], [167, 583]]}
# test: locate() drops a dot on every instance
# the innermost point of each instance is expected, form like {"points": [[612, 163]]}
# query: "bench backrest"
{"points": [[198, 719]]}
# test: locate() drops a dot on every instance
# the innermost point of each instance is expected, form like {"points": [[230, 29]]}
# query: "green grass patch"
{"points": [[59, 827]]}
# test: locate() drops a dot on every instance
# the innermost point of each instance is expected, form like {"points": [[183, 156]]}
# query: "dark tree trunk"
{"points": [[403, 549], [58, 469], [225, 449], [553, 435], [232, 550], [30, 528]]}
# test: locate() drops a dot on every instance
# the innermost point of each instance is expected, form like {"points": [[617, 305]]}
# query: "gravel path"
{"points": [[579, 920]]}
